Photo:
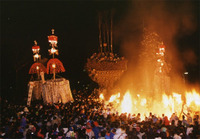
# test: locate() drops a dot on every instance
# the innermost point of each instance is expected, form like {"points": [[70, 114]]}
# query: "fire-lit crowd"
{"points": [[88, 117]]}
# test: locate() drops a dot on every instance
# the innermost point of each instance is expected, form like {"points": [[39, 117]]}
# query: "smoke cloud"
{"points": [[171, 21]]}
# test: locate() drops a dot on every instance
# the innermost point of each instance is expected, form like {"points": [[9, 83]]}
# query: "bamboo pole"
{"points": [[107, 34], [111, 39], [100, 40]]}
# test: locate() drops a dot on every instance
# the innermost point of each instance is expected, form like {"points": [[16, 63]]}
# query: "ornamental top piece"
{"points": [[53, 39], [35, 48]]}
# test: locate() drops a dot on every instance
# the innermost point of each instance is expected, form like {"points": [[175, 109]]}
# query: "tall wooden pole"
{"points": [[100, 40], [107, 34], [54, 74], [111, 40]]}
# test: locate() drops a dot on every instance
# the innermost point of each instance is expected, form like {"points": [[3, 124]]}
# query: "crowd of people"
{"points": [[89, 118]]}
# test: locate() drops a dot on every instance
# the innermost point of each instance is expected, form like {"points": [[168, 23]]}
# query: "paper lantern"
{"points": [[37, 67], [56, 65]]}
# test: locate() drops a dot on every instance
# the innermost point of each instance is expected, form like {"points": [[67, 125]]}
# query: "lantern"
{"points": [[37, 68], [53, 51], [36, 57], [56, 65], [35, 48], [53, 39], [162, 48]]}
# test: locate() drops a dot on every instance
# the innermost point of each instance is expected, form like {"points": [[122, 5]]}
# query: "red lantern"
{"points": [[56, 65], [37, 68], [35, 49], [161, 49], [162, 46], [53, 39]]}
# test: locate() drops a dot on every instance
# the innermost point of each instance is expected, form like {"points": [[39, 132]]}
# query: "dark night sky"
{"points": [[75, 24]]}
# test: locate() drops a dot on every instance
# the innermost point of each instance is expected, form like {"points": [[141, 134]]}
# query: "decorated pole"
{"points": [[36, 67], [36, 57], [111, 39], [53, 40], [54, 65], [100, 40], [54, 72]]}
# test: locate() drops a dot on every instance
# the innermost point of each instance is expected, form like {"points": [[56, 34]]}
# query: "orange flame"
{"points": [[126, 105], [168, 104]]}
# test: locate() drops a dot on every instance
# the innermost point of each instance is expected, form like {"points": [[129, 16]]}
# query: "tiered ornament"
{"points": [[36, 50], [154, 68], [105, 67], [162, 66], [53, 40], [37, 67], [160, 60], [54, 65]]}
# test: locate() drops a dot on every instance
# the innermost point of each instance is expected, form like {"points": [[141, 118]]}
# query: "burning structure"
{"points": [[155, 69], [105, 67]]}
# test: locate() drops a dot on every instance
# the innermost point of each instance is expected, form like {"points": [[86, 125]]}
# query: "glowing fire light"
{"points": [[53, 65], [37, 67], [168, 104], [192, 98], [101, 96], [143, 101], [126, 104], [178, 98]]}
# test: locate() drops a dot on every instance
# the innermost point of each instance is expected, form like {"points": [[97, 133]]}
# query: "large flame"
{"points": [[192, 97], [167, 104], [126, 104]]}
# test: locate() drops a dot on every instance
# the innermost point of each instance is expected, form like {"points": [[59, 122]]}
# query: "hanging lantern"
{"points": [[53, 51], [35, 48], [53, 39], [36, 57], [56, 65], [37, 68], [162, 48]]}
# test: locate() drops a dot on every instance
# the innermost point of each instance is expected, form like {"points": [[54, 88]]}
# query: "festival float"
{"points": [[55, 90], [105, 67]]}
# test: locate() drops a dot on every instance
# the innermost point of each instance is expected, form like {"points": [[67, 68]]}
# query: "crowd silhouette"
{"points": [[87, 117]]}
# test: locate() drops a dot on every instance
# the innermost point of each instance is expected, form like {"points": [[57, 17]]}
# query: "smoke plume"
{"points": [[171, 21]]}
